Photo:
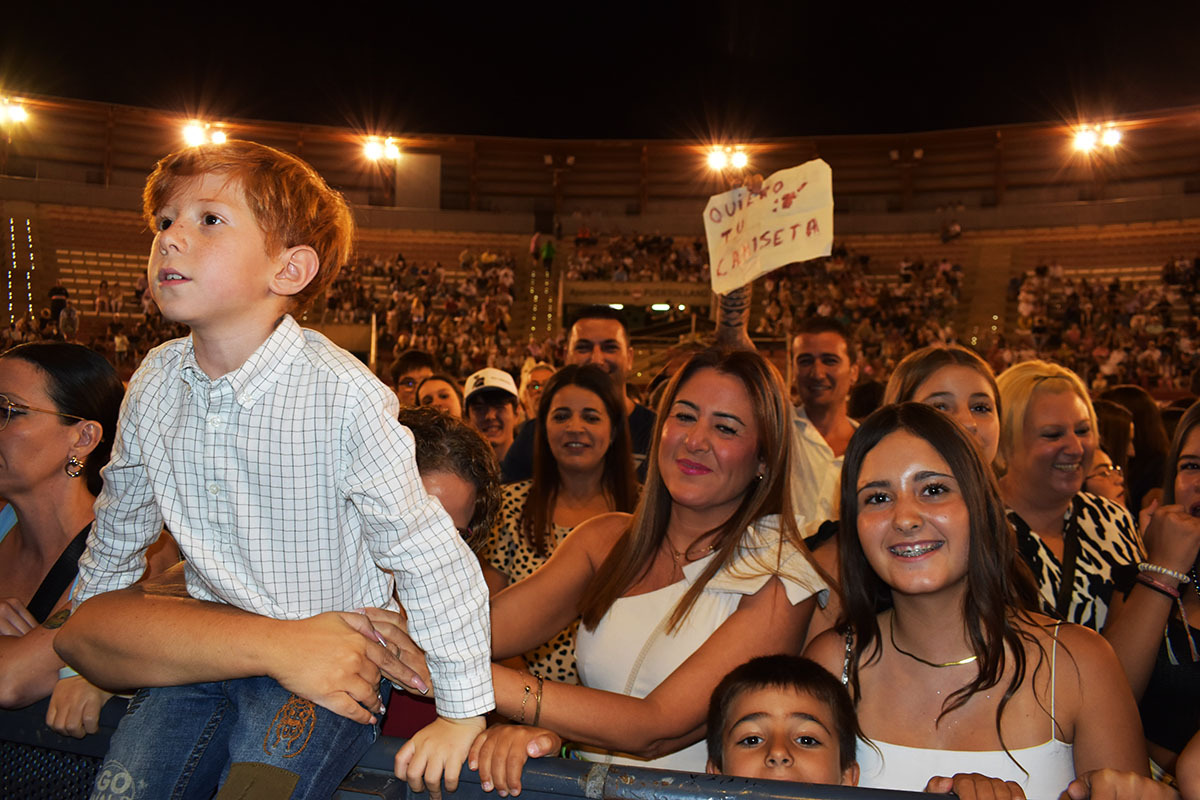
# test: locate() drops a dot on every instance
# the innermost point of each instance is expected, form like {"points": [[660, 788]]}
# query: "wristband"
{"points": [[67, 672], [1182, 577], [1158, 586]]}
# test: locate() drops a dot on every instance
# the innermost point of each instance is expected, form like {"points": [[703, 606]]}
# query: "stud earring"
{"points": [[75, 464]]}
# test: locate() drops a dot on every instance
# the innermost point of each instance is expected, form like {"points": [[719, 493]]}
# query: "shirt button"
{"points": [[213, 488], [213, 517], [214, 421]]}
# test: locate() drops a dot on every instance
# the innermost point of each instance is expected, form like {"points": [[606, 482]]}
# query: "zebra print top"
{"points": [[1109, 550]]}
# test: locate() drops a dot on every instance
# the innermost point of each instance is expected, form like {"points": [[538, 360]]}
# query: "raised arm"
{"points": [[1135, 623]]}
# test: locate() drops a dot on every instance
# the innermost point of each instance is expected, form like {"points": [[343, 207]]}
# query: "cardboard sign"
{"points": [[751, 233]]}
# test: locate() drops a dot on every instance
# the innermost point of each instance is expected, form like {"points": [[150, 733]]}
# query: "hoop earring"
{"points": [[73, 463]]}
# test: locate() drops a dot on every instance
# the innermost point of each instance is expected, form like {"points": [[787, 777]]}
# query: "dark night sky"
{"points": [[743, 69]]}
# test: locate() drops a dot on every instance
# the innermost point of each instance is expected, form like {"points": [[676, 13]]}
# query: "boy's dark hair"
{"points": [[818, 325], [410, 360], [292, 204], [600, 312], [784, 672], [446, 444]]}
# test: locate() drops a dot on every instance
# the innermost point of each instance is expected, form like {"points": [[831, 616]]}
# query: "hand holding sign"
{"points": [[751, 233]]}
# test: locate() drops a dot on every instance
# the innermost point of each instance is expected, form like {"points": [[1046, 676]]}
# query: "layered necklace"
{"points": [[915, 657]]}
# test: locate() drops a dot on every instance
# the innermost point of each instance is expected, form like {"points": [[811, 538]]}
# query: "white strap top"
{"points": [[1048, 767]]}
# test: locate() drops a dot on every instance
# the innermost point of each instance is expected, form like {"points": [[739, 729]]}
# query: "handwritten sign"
{"points": [[751, 233]]}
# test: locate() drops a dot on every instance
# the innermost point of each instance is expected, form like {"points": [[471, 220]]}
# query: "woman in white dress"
{"points": [[708, 572]]}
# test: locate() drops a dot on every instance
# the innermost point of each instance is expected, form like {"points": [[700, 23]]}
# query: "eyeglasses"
{"points": [[1110, 471], [8, 408]]}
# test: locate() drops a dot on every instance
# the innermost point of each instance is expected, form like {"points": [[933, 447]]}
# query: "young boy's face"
{"points": [[785, 735], [209, 261]]}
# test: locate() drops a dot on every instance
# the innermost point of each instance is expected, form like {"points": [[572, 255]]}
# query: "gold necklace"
{"points": [[915, 657], [681, 556]]}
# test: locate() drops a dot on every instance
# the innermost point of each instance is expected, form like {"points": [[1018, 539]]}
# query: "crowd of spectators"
{"points": [[640, 257], [1110, 331], [888, 318]]}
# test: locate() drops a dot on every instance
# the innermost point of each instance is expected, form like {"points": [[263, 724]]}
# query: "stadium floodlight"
{"points": [[1085, 140], [218, 137], [717, 159], [1111, 137], [377, 149], [13, 112], [739, 160], [617, 306], [661, 307], [193, 134]]}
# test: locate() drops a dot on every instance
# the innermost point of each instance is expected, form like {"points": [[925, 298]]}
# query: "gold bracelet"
{"points": [[524, 700], [537, 714]]}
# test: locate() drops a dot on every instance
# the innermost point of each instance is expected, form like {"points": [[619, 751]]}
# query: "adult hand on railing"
{"points": [[1115, 784], [500, 753], [973, 786], [75, 707]]}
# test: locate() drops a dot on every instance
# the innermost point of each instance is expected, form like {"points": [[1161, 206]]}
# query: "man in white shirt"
{"points": [[825, 365]]}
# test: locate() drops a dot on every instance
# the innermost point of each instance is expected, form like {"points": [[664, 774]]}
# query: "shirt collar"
{"points": [[261, 370]]}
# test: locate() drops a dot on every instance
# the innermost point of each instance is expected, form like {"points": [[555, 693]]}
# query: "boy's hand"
{"points": [[500, 753], [75, 707], [439, 749], [973, 786]]}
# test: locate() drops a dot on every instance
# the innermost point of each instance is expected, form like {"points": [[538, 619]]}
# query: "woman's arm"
{"points": [[1106, 726], [150, 635], [1135, 623], [672, 715], [531, 611], [28, 664]]}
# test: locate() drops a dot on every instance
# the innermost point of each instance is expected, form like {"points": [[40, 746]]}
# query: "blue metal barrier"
{"points": [[36, 763]]}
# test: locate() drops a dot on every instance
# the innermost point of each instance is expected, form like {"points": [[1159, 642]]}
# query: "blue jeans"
{"points": [[249, 734]]}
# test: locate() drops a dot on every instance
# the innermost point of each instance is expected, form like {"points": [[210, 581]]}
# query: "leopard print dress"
{"points": [[1109, 548], [509, 553]]}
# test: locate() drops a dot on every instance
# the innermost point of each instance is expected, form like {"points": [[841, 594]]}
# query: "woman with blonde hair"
{"points": [[1084, 550]]}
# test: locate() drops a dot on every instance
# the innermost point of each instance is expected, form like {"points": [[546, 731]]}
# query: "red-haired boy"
{"points": [[276, 460]]}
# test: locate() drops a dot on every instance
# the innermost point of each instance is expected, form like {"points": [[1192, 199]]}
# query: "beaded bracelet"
{"points": [[1182, 577], [1158, 586]]}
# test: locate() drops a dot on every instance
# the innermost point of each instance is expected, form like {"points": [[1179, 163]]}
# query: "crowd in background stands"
{"points": [[1109, 331], [888, 318], [641, 257]]}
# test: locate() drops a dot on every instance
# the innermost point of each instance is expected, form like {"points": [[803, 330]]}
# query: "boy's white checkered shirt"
{"points": [[285, 483]]}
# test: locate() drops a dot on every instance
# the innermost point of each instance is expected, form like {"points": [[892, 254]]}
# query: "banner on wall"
{"points": [[751, 233]]}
